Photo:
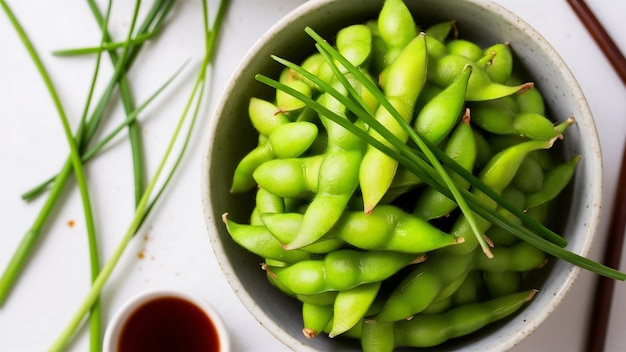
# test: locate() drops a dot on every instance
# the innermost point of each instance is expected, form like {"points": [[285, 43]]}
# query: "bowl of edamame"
{"points": [[385, 174]]}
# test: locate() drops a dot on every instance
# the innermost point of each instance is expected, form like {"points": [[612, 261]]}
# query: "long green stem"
{"points": [[95, 318], [140, 213], [75, 156], [139, 39], [157, 13], [30, 238], [93, 151], [133, 128]]}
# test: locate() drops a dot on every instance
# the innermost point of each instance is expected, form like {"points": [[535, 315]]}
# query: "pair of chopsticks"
{"points": [[599, 321]]}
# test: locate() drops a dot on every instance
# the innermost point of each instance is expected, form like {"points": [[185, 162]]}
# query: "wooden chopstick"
{"points": [[602, 38], [598, 324]]}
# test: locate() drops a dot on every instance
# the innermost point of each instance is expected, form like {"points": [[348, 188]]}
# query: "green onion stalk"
{"points": [[145, 203]]}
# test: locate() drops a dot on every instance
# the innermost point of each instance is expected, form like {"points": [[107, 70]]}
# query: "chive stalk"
{"points": [[77, 167], [144, 202]]}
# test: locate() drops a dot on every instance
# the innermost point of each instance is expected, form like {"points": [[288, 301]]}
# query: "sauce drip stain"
{"points": [[168, 324]]}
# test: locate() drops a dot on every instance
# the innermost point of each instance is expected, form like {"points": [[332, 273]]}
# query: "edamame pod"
{"points": [[288, 103], [480, 86], [355, 43], [442, 30], [519, 257], [431, 330], [500, 66], [465, 48], [265, 116], [340, 270], [439, 116], [529, 177], [405, 78], [351, 306], [471, 291], [461, 147], [423, 285], [503, 283], [337, 177], [386, 228], [315, 318], [554, 182], [258, 240], [285, 227], [289, 178], [396, 26], [497, 175], [268, 202], [286, 141]]}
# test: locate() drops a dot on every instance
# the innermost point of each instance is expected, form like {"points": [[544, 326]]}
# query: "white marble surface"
{"points": [[174, 244]]}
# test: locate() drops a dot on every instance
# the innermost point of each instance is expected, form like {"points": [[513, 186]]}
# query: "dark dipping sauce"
{"points": [[168, 324]]}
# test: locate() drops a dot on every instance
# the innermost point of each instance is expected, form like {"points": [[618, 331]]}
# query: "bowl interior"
{"points": [[230, 136]]}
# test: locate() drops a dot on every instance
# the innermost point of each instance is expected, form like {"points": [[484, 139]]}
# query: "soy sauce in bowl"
{"points": [[166, 321]]}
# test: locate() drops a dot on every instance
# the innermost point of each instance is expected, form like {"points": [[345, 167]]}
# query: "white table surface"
{"points": [[175, 247]]}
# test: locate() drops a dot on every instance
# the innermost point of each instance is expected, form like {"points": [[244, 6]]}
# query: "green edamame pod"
{"points": [[255, 217], [312, 64], [287, 102], [500, 67], [439, 116], [535, 126], [471, 291], [442, 30], [289, 178], [387, 228], [355, 43], [265, 116], [504, 283], [285, 227], [432, 330], [405, 78], [319, 299], [396, 26], [495, 116], [497, 175], [435, 48], [405, 178], [258, 240], [480, 86], [268, 202], [519, 257], [502, 237], [379, 49], [555, 181], [465, 48], [438, 306], [530, 100], [424, 284], [501, 169], [315, 318], [483, 149], [337, 177], [529, 177], [340, 270], [377, 336], [351, 306], [286, 141], [461, 147]]}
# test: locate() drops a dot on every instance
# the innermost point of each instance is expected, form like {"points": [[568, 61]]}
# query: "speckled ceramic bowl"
{"points": [[230, 136]]}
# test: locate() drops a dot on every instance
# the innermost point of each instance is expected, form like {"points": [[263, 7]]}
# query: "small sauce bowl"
{"points": [[166, 320]]}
